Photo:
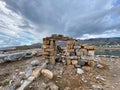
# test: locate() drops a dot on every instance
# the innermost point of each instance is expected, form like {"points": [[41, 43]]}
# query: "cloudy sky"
{"points": [[28, 21]]}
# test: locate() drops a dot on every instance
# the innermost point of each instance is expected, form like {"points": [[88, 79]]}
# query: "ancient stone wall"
{"points": [[73, 48]]}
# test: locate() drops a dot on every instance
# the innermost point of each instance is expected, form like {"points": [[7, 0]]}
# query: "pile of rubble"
{"points": [[18, 55], [21, 80], [74, 54]]}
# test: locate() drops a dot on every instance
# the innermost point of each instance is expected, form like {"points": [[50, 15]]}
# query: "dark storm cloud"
{"points": [[72, 17], [69, 17]]}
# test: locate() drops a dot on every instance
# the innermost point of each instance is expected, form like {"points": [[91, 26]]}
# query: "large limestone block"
{"points": [[26, 83], [52, 60], [68, 62], [89, 47], [83, 52], [86, 68], [46, 41], [45, 46], [36, 72], [91, 52], [47, 73], [49, 50], [91, 63], [74, 62]]}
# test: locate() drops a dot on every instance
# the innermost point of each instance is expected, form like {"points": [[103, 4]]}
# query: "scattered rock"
{"points": [[86, 68], [79, 71], [15, 78], [100, 66], [17, 84], [52, 86], [91, 63], [30, 87], [77, 66], [22, 81], [44, 65], [81, 63], [61, 72], [96, 87], [22, 77], [28, 71], [36, 72], [47, 73], [35, 63], [114, 75], [17, 71], [50, 67], [22, 73], [74, 62], [83, 79], [68, 62], [59, 76], [26, 83], [100, 77]]}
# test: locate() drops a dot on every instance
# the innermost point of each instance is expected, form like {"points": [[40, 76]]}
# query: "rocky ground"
{"points": [[66, 77], [8, 69], [113, 81]]}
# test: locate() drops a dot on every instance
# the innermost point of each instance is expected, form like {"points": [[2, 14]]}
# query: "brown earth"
{"points": [[66, 78]]}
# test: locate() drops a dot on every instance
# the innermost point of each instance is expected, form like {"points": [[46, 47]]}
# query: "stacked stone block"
{"points": [[83, 52]]}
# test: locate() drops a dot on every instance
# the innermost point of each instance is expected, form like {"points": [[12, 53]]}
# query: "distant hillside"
{"points": [[101, 41], [8, 48], [24, 47], [95, 42]]}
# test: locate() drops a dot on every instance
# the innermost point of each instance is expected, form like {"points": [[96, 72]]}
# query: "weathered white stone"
{"points": [[36, 72], [47, 73], [35, 63], [21, 73], [100, 77], [79, 71], [26, 83], [96, 87]]}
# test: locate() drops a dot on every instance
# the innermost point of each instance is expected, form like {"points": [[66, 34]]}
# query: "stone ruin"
{"points": [[72, 55], [80, 56]]}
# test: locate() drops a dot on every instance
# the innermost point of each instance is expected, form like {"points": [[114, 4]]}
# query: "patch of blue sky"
{"points": [[114, 19], [116, 2]]}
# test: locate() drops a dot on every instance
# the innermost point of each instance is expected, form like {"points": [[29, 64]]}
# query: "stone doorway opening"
{"points": [[51, 49]]}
